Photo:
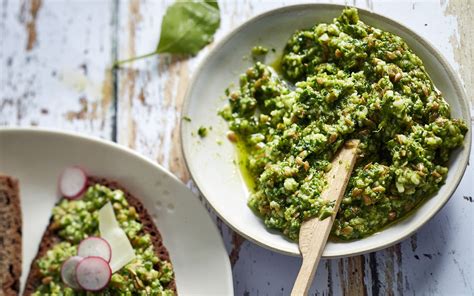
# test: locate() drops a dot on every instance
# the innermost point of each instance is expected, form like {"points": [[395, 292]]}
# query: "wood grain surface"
{"points": [[55, 71]]}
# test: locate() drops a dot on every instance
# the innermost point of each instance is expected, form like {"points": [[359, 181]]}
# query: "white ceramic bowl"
{"points": [[211, 164], [36, 158]]}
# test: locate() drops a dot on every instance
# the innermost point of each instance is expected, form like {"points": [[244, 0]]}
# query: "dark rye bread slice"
{"points": [[10, 236], [50, 238]]}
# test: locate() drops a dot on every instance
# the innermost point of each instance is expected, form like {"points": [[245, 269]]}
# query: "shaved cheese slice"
{"points": [[122, 250]]}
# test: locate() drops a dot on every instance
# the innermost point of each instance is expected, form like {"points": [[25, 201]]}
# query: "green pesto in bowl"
{"points": [[338, 81]]}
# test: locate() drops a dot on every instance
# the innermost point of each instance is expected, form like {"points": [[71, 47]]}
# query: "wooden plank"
{"points": [[463, 41], [428, 262], [150, 93], [54, 58]]}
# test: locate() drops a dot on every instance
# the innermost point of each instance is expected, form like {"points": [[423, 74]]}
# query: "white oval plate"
{"points": [[211, 164], [36, 157]]}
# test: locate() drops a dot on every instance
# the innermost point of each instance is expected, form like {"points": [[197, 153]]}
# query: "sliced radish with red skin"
{"points": [[95, 246], [68, 271], [93, 273], [73, 182]]}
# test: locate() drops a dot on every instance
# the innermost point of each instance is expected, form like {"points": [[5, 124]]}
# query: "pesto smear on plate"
{"points": [[76, 220], [342, 80]]}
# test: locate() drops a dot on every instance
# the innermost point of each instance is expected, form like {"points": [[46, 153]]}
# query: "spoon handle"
{"points": [[314, 232]]}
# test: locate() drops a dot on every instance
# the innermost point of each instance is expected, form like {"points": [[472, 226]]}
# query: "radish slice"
{"points": [[73, 182], [93, 273], [95, 246], [68, 272]]}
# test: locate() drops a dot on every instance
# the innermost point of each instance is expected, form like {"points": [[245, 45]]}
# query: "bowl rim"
{"points": [[139, 157], [457, 85]]}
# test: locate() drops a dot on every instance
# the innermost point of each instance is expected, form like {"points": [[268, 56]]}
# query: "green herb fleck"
{"points": [[258, 53], [259, 50], [325, 212], [202, 131], [348, 166]]}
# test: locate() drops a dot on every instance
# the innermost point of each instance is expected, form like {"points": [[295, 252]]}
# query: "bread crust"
{"points": [[50, 238], [10, 239]]}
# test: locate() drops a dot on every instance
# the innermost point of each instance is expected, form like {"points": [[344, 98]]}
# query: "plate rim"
{"points": [[457, 85], [138, 156]]}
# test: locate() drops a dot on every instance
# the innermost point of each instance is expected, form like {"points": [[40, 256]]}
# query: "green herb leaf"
{"points": [[213, 3], [187, 27]]}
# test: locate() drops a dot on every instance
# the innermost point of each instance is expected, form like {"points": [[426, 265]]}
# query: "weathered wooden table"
{"points": [[55, 71]]}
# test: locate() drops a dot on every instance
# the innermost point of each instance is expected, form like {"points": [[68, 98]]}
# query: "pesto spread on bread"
{"points": [[338, 81], [75, 220]]}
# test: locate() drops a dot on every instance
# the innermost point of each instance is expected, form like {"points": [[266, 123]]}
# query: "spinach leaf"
{"points": [[213, 3], [187, 27]]}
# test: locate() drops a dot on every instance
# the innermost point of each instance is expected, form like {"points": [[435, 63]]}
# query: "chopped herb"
{"points": [[259, 50], [202, 131], [327, 212], [259, 53]]}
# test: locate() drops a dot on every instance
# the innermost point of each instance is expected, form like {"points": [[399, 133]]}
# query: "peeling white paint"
{"points": [[437, 261]]}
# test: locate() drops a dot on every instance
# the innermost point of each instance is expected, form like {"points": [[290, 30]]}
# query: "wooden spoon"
{"points": [[314, 232]]}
